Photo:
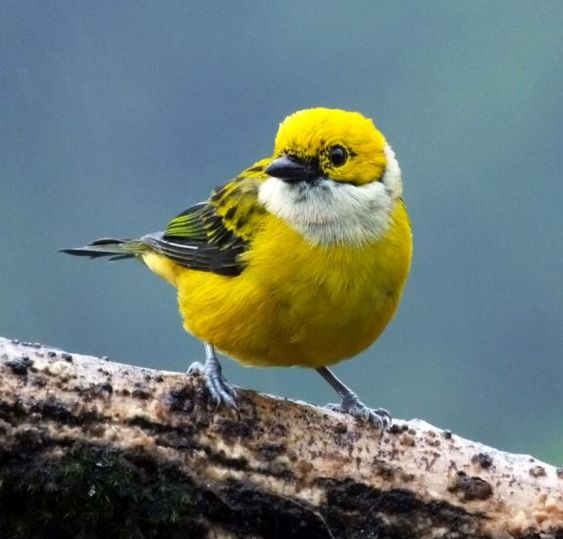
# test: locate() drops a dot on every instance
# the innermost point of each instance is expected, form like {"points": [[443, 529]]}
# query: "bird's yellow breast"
{"points": [[296, 303]]}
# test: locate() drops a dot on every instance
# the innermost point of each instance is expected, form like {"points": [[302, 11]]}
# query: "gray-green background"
{"points": [[115, 116]]}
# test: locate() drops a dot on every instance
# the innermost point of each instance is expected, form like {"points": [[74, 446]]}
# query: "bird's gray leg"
{"points": [[351, 404], [222, 392]]}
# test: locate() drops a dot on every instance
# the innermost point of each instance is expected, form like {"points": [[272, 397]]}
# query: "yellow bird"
{"points": [[300, 260]]}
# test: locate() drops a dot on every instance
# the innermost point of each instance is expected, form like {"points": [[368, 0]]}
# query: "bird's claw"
{"points": [[379, 417], [196, 368], [221, 391]]}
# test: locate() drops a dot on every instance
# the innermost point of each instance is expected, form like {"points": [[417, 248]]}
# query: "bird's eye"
{"points": [[337, 155]]}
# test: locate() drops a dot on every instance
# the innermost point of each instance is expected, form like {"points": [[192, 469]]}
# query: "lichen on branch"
{"points": [[90, 448]]}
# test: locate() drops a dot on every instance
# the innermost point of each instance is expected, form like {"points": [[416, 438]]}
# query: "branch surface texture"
{"points": [[93, 448]]}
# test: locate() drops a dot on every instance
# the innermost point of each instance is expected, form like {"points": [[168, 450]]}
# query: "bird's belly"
{"points": [[307, 306], [276, 327]]}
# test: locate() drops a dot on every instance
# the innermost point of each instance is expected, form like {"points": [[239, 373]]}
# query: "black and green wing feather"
{"points": [[213, 235], [209, 236], [198, 239]]}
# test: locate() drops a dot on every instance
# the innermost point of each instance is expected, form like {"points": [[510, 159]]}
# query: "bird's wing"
{"points": [[212, 236]]}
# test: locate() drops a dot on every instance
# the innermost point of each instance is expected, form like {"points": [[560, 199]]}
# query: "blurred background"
{"points": [[115, 116]]}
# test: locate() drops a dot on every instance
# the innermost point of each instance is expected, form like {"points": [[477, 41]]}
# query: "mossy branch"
{"points": [[92, 448]]}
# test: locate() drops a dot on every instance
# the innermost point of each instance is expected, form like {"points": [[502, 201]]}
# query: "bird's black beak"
{"points": [[291, 169]]}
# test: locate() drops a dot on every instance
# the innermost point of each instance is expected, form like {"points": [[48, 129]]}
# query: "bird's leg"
{"points": [[222, 392], [351, 404]]}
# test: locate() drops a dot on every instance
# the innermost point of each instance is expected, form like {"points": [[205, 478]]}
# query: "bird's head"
{"points": [[328, 143], [332, 176]]}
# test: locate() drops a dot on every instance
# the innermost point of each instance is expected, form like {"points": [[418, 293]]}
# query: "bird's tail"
{"points": [[109, 247]]}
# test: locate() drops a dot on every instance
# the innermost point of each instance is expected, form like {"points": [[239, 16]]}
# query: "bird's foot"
{"points": [[379, 417], [221, 391], [197, 367]]}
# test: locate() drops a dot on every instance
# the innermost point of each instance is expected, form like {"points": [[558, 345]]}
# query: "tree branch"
{"points": [[90, 447]]}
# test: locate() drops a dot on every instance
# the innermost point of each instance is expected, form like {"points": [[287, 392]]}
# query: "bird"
{"points": [[300, 260]]}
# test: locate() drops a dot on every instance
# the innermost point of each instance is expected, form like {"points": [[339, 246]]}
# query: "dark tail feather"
{"points": [[108, 247]]}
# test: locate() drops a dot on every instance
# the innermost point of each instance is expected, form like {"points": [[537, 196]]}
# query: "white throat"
{"points": [[329, 212]]}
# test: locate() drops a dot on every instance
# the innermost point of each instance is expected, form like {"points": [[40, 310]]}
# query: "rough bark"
{"points": [[92, 448]]}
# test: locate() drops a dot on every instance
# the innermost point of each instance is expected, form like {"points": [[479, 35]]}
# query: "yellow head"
{"points": [[344, 146], [332, 177]]}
